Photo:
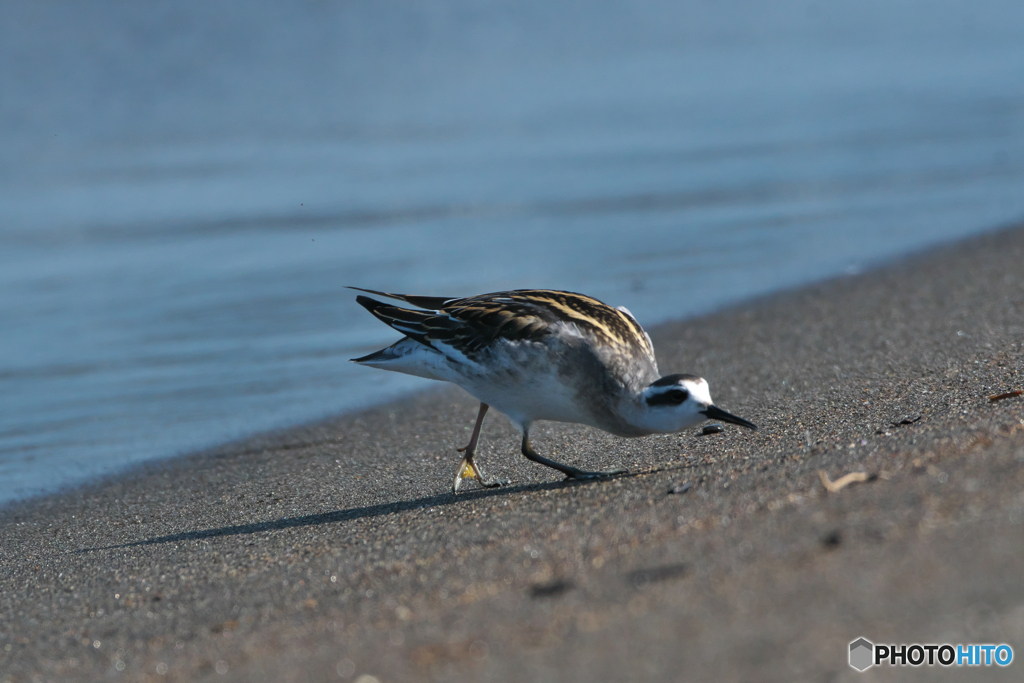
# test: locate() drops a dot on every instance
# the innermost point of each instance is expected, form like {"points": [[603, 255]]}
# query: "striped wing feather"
{"points": [[472, 324]]}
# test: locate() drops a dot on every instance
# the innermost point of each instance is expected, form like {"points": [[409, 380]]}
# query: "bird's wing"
{"points": [[471, 325], [432, 303], [611, 328]]}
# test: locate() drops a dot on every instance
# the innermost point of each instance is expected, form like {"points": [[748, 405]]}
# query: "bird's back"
{"points": [[533, 354]]}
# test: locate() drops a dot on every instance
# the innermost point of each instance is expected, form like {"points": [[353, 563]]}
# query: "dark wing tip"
{"points": [[369, 291], [369, 304], [430, 303]]}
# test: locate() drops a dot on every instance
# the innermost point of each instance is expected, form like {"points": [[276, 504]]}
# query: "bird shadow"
{"points": [[364, 512]]}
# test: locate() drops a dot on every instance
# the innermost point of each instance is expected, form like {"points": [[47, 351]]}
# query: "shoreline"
{"points": [[261, 435], [336, 545], [24, 483]]}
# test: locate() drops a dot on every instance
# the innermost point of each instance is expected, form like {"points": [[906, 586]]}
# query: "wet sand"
{"points": [[335, 551]]}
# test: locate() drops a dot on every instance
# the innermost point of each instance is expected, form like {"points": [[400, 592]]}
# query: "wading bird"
{"points": [[538, 354]]}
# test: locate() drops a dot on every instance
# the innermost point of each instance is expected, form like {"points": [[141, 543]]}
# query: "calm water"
{"points": [[186, 188]]}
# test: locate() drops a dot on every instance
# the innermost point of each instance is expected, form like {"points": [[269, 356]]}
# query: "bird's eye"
{"points": [[672, 397]]}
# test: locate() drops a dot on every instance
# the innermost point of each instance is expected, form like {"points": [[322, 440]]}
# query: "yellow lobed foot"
{"points": [[466, 471]]}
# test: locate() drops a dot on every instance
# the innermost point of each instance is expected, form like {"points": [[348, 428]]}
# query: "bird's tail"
{"points": [[406, 356], [382, 356]]}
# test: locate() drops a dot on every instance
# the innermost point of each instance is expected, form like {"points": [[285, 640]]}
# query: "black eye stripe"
{"points": [[672, 397]]}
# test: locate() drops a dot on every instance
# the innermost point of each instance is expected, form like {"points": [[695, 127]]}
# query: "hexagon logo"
{"points": [[862, 654]]}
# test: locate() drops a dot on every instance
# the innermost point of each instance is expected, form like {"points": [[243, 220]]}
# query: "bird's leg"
{"points": [[569, 472], [469, 469]]}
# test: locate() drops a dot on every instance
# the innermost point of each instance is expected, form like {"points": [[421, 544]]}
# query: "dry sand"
{"points": [[335, 551]]}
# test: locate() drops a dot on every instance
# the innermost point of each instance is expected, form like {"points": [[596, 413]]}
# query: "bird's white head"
{"points": [[676, 402]]}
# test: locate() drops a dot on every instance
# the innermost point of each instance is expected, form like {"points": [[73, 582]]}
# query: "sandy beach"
{"points": [[335, 551]]}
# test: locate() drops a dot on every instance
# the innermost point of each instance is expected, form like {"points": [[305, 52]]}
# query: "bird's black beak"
{"points": [[716, 413]]}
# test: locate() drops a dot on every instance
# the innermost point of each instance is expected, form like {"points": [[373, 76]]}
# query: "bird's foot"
{"points": [[470, 470], [465, 471]]}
